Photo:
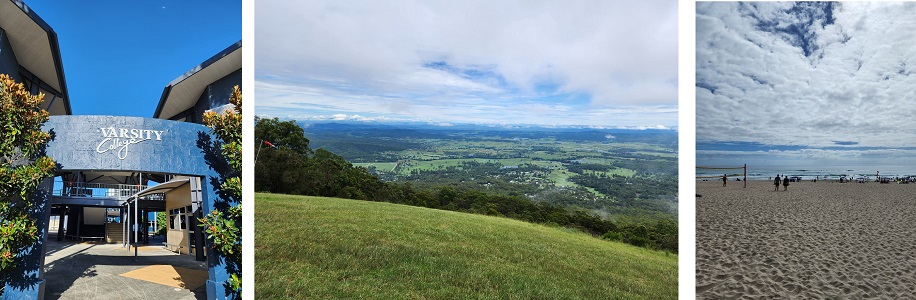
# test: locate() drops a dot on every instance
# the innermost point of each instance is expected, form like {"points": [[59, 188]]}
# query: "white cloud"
{"points": [[858, 83], [373, 54]]}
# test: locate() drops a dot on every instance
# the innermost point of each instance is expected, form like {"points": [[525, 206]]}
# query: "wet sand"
{"points": [[814, 241]]}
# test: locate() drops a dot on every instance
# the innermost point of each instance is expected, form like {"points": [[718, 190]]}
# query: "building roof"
{"points": [[161, 188], [37, 50], [183, 92]]}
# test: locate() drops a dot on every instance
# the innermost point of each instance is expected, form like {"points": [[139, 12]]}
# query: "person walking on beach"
{"points": [[724, 179], [776, 182], [785, 183]]}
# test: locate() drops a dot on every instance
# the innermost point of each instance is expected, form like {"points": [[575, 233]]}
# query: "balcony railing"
{"points": [[96, 190]]}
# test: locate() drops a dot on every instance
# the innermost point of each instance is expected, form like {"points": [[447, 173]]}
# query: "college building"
{"points": [[114, 171]]}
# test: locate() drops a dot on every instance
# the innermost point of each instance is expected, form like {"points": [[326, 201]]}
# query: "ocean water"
{"points": [[811, 172]]}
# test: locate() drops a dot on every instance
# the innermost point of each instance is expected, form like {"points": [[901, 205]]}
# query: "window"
{"points": [[175, 219], [180, 217], [186, 215]]}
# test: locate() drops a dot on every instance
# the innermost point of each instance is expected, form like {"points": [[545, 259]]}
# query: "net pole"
{"points": [[745, 175]]}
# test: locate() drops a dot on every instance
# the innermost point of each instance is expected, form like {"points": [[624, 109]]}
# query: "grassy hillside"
{"points": [[313, 247]]}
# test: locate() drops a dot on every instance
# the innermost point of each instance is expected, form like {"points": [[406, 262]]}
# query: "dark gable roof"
{"points": [[183, 92], [37, 50]]}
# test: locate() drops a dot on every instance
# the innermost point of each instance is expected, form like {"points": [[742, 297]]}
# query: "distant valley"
{"points": [[619, 174]]}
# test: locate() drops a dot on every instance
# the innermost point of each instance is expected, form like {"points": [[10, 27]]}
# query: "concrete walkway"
{"points": [[109, 271]]}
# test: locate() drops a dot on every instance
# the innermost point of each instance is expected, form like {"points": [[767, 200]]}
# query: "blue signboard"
{"points": [[127, 144]]}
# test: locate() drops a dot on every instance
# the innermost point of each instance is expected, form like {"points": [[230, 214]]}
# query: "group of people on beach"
{"points": [[785, 183]]}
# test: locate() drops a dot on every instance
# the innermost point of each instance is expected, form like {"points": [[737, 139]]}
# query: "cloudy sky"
{"points": [[605, 63], [807, 83]]}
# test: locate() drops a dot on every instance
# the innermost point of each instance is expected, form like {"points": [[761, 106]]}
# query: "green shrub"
{"points": [[613, 236]]}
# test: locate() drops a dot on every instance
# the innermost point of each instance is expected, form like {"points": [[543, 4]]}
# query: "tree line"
{"points": [[290, 166]]}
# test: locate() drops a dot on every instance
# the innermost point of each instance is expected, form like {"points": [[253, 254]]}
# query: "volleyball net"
{"points": [[743, 173]]}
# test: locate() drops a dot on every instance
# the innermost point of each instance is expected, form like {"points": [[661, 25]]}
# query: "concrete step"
{"points": [[115, 233]]}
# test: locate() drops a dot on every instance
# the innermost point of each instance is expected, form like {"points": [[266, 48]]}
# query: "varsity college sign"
{"points": [[135, 144], [118, 140]]}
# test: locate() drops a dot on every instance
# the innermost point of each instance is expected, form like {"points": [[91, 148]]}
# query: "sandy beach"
{"points": [[816, 240]]}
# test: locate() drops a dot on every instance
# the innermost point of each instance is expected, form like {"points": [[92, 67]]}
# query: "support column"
{"points": [[28, 281], [60, 224], [124, 220], [218, 268], [136, 227], [79, 221], [105, 227], [140, 218], [121, 218], [145, 227]]}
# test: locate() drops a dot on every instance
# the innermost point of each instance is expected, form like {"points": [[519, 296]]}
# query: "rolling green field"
{"points": [[438, 154], [328, 248], [622, 175]]}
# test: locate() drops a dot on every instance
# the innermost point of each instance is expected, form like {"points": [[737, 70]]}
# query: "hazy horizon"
{"points": [[391, 122]]}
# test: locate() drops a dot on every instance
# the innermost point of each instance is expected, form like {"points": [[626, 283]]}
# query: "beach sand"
{"points": [[816, 240]]}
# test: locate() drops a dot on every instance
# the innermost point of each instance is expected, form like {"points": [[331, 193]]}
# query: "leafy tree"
{"points": [[22, 168], [223, 227], [280, 171], [163, 222], [285, 134]]}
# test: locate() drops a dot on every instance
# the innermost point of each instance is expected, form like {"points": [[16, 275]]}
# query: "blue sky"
{"points": [[810, 83], [119, 55], [494, 62]]}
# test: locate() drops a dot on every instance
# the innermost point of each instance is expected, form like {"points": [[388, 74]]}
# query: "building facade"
{"points": [[116, 170]]}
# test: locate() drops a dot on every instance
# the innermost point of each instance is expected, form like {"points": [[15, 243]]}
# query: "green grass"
{"points": [[561, 177], [327, 248]]}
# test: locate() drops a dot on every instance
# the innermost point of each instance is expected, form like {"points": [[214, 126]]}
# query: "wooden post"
{"points": [[745, 175]]}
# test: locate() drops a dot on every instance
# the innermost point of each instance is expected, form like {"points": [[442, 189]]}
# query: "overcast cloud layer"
{"points": [[533, 62], [823, 76]]}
